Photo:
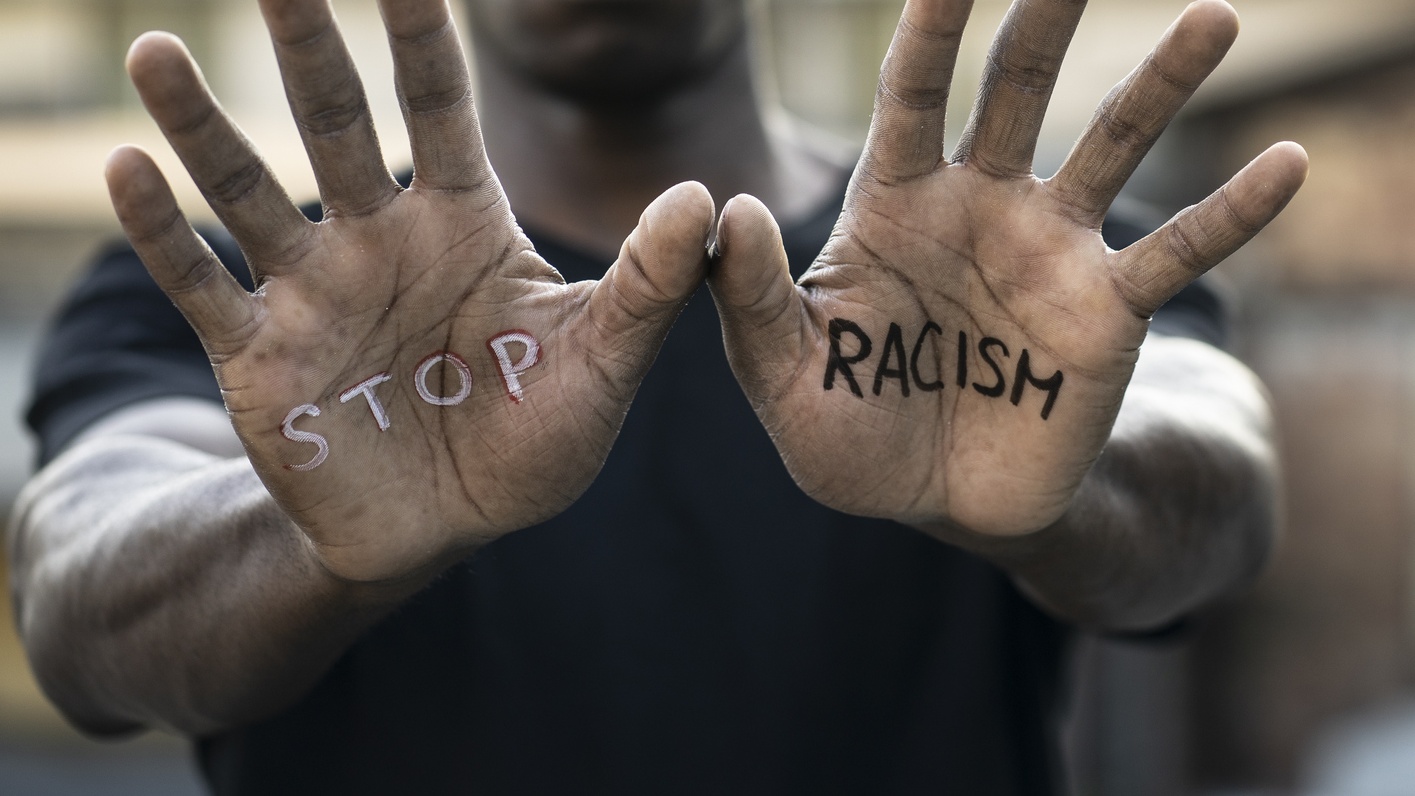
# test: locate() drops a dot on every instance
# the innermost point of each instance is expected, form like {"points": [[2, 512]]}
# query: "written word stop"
{"points": [[514, 352]]}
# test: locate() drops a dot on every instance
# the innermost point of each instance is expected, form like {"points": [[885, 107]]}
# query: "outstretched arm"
{"points": [[958, 357], [1179, 508], [158, 585], [409, 381]]}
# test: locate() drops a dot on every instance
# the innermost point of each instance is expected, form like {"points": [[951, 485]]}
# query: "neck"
{"points": [[585, 173]]}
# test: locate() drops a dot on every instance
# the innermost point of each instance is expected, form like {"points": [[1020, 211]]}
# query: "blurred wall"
{"points": [[1326, 642]]}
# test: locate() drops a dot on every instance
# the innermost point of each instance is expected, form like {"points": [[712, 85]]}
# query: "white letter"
{"points": [[287, 430], [463, 372], [510, 371], [365, 388]]}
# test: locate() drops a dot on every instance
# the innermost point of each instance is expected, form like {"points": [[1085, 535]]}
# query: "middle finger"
{"points": [[1021, 70], [329, 106]]}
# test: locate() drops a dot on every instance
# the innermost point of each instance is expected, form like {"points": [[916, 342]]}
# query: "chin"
{"points": [[612, 52], [619, 78]]}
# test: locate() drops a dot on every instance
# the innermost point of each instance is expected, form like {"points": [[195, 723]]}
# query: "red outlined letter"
{"points": [[287, 430], [365, 388], [464, 373], [511, 371]]}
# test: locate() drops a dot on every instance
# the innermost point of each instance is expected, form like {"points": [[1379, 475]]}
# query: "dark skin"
{"points": [[1013, 257], [298, 562], [624, 55], [581, 162]]}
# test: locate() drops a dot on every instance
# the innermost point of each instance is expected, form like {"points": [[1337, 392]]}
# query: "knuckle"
{"points": [[1125, 131], [1245, 226], [437, 102], [335, 117], [1184, 244], [1028, 75], [916, 98], [239, 184], [188, 274]]}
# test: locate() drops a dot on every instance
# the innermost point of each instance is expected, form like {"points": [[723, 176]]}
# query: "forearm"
{"points": [[159, 586], [1179, 508]]}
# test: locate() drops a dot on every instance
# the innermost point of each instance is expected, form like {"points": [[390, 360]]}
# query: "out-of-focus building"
{"points": [[1306, 680], [1286, 689]]}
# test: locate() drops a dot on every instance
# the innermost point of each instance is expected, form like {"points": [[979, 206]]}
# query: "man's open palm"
{"points": [[410, 378], [959, 351]]}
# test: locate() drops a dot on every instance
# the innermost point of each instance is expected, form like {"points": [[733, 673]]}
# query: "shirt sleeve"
{"points": [[117, 340], [1197, 312]]}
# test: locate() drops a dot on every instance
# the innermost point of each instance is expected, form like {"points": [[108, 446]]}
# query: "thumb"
{"points": [[659, 267], [764, 321]]}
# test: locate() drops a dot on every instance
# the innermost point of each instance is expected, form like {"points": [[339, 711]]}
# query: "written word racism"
{"points": [[893, 364]]}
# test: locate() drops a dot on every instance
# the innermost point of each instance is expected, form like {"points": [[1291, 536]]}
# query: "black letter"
{"points": [[914, 360], [893, 344], [1024, 376], [983, 346], [962, 360], [840, 363]]}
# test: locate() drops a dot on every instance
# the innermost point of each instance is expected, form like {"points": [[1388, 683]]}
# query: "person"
{"points": [[427, 545]]}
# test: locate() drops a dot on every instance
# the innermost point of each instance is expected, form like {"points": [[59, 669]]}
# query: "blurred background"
{"points": [[1303, 685]]}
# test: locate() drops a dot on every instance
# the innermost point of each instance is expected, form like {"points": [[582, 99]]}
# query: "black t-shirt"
{"points": [[693, 624]]}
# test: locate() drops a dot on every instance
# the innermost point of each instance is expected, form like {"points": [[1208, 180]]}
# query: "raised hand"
{"points": [[410, 378], [958, 353]]}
